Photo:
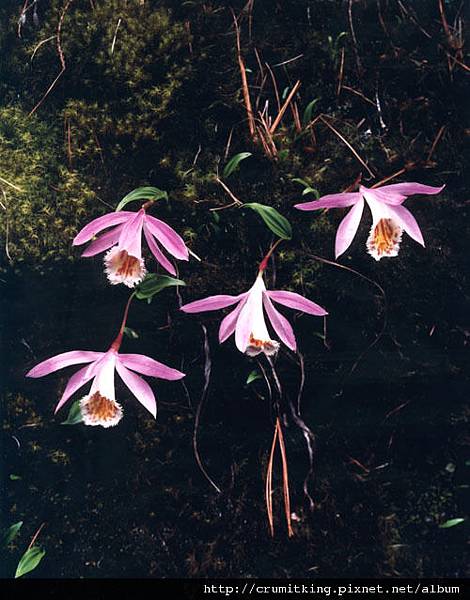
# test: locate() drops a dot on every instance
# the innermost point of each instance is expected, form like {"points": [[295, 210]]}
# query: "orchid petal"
{"points": [[105, 241], [97, 225], [131, 235], [167, 237], [148, 366], [280, 324], [379, 195], [158, 254], [298, 302], [348, 227], [63, 360], [211, 303], [140, 388], [75, 383], [408, 222], [408, 189], [331, 201], [244, 324], [228, 324]]}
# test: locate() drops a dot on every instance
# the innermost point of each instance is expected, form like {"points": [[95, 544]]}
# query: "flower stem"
{"points": [[117, 342], [148, 204], [264, 263]]}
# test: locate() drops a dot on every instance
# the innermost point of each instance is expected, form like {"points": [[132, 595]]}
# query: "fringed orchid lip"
{"points": [[384, 239], [123, 268], [99, 410], [248, 319], [390, 218]]}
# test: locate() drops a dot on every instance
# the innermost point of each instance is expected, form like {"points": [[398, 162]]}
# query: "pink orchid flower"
{"points": [[123, 261], [99, 406], [247, 319], [389, 217]]}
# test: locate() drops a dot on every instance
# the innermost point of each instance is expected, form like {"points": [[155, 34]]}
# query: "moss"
{"points": [[39, 222]]}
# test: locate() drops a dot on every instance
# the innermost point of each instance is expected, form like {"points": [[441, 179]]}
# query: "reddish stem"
{"points": [[148, 204], [117, 342], [264, 263]]}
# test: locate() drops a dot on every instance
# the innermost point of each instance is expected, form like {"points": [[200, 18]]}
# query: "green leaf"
{"points": [[142, 193], [75, 414], [253, 376], [308, 189], [303, 182], [29, 561], [11, 533], [233, 163], [273, 219], [451, 523], [307, 116], [131, 333], [14, 477], [153, 284]]}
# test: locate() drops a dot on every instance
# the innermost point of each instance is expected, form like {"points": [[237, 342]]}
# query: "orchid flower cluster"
{"points": [[123, 264], [119, 235]]}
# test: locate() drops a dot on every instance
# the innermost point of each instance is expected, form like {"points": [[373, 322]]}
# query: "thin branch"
{"points": [[61, 57], [345, 141], [277, 120]]}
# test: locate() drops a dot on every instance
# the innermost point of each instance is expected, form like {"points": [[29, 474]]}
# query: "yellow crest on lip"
{"points": [[384, 239], [99, 410]]}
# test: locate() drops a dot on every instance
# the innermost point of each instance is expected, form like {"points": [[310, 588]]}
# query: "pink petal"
{"points": [[148, 366], [408, 189], [347, 228], [167, 237], [131, 235], [155, 250], [211, 303], [75, 383], [99, 224], [228, 324], [75, 357], [331, 201], [105, 241], [408, 222], [378, 194], [280, 324], [298, 302], [244, 324], [140, 388]]}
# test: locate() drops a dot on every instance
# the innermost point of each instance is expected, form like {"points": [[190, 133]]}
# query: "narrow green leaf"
{"points": [[233, 163], [153, 284], [303, 182], [14, 477], [142, 193], [253, 376], [278, 224], [29, 561], [131, 333], [75, 414], [307, 116], [11, 533], [451, 523]]}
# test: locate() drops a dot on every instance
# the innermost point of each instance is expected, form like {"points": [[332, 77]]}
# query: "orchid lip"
{"points": [[122, 267], [97, 409]]}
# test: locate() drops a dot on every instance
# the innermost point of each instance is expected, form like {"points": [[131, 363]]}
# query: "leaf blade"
{"points": [[11, 533], [29, 561], [153, 284], [234, 162], [75, 414], [142, 193], [273, 219]]}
